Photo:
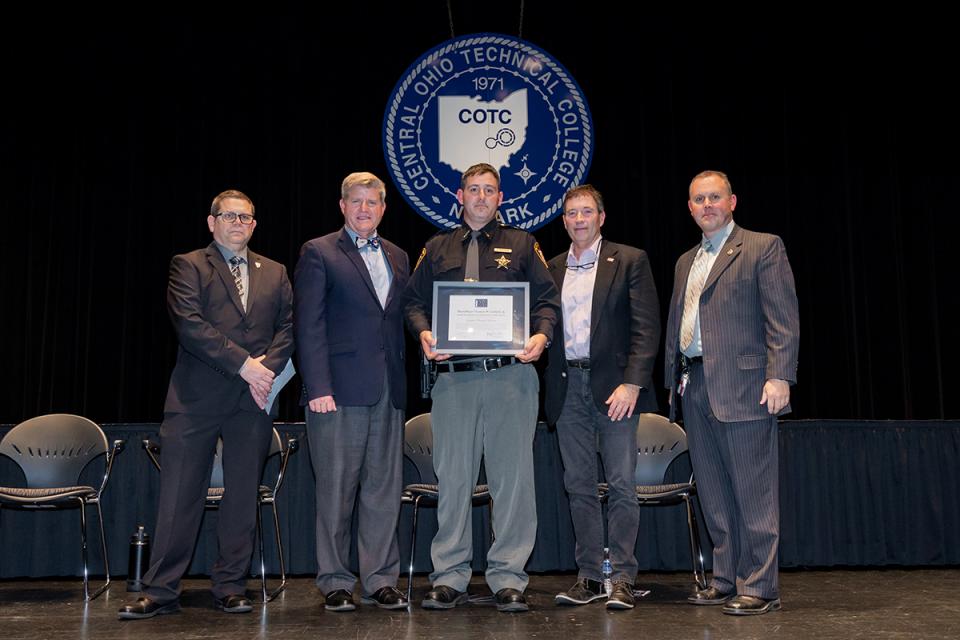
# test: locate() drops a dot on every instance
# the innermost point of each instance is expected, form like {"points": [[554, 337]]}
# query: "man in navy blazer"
{"points": [[232, 312], [597, 376], [731, 355], [349, 331]]}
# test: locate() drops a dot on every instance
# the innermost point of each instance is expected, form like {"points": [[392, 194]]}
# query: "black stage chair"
{"points": [[659, 443], [52, 451]]}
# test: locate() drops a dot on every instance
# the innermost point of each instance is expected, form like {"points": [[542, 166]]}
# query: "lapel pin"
{"points": [[609, 259], [729, 253], [257, 264]]}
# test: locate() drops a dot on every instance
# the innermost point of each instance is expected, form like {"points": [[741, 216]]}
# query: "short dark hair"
{"points": [[478, 169], [584, 190], [229, 193]]}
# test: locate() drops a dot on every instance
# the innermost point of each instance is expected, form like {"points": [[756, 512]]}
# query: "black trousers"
{"points": [[188, 443]]}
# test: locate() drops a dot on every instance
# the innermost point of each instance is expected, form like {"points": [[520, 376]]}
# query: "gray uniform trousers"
{"points": [[579, 428], [351, 449], [736, 465], [491, 414]]}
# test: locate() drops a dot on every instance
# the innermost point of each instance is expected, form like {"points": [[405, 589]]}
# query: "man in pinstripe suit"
{"points": [[731, 356]]}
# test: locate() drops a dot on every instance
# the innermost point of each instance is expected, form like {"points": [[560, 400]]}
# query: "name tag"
{"points": [[502, 250]]}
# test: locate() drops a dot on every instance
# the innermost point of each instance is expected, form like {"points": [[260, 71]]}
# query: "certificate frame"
{"points": [[449, 295]]}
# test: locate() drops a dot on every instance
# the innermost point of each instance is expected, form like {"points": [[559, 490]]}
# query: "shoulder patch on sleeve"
{"points": [[423, 254], [536, 250]]}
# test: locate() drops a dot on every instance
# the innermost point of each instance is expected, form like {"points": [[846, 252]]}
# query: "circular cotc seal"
{"points": [[495, 99]]}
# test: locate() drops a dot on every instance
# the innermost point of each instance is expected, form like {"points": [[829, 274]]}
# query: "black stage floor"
{"points": [[822, 605]]}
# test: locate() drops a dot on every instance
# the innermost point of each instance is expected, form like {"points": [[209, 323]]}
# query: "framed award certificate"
{"points": [[481, 318]]}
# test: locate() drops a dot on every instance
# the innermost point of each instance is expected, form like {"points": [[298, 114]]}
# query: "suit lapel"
{"points": [[728, 253], [353, 254], [558, 269], [253, 276], [394, 269], [607, 265], [683, 272], [220, 265]]}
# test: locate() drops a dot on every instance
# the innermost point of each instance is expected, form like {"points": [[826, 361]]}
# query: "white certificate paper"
{"points": [[279, 382], [481, 317]]}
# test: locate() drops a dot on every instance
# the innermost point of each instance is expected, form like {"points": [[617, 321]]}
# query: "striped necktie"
{"points": [[235, 263], [691, 301]]}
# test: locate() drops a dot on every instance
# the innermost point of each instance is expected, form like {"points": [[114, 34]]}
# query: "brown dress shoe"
{"points": [[234, 603], [511, 601], [387, 598], [339, 600], [709, 596], [751, 606], [444, 597], [146, 608]]}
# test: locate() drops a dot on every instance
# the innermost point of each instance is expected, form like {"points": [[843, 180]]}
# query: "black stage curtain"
{"points": [[852, 493], [118, 133]]}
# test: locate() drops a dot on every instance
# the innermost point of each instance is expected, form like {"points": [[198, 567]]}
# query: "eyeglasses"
{"points": [[586, 212], [231, 216], [586, 266]]}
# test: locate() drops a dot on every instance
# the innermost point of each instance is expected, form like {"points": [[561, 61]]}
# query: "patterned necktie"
{"points": [[373, 243], [472, 272], [235, 263], [691, 301]]}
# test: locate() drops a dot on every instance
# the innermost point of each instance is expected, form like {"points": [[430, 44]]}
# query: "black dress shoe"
{"points": [[751, 606], [146, 608], [511, 601], [387, 598], [444, 597], [339, 600], [234, 603], [710, 595]]}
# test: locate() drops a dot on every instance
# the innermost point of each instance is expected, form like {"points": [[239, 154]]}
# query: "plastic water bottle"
{"points": [[606, 569]]}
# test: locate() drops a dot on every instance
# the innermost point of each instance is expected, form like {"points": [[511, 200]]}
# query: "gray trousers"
{"points": [[357, 449], [580, 428], [737, 469], [491, 414]]}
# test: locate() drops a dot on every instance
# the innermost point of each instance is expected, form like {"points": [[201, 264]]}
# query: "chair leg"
{"points": [[83, 550], [696, 553], [103, 547], [493, 536], [413, 547], [283, 568]]}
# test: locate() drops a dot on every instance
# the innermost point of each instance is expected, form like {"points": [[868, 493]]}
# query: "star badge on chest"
{"points": [[502, 262]]}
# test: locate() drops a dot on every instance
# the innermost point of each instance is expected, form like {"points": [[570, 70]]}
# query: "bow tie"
{"points": [[373, 242]]}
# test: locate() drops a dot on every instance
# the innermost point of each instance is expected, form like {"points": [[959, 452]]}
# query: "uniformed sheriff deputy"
{"points": [[483, 406]]}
